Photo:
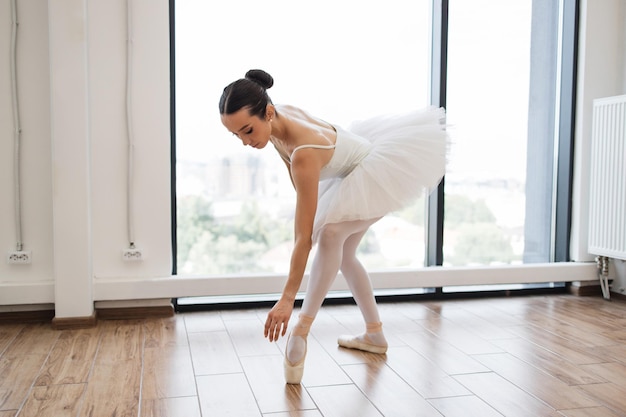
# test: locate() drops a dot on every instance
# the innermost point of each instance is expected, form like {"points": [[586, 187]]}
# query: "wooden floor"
{"points": [[549, 355]]}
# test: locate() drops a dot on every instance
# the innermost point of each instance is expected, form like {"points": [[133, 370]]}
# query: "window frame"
{"points": [[434, 245]]}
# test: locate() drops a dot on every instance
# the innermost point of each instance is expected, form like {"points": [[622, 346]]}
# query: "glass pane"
{"points": [[501, 100], [341, 61]]}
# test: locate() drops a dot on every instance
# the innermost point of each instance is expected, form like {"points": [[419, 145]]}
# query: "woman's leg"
{"points": [[358, 280], [328, 259], [335, 241], [336, 248], [296, 350]]}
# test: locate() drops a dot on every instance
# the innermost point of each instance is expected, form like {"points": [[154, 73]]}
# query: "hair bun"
{"points": [[260, 77]]}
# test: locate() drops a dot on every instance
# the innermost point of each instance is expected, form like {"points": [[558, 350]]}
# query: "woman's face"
{"points": [[251, 130]]}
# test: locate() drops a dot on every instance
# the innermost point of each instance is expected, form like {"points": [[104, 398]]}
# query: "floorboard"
{"points": [[515, 356]]}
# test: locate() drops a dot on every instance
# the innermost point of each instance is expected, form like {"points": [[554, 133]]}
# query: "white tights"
{"points": [[336, 250]]}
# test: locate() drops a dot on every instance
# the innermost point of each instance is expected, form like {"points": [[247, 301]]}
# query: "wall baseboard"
{"points": [[113, 310], [71, 323], [617, 296], [37, 316], [585, 290], [128, 313]]}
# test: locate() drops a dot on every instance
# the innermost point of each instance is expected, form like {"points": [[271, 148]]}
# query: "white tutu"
{"points": [[381, 165]]}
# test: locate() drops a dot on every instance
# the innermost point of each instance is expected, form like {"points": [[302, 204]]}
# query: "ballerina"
{"points": [[345, 181]]}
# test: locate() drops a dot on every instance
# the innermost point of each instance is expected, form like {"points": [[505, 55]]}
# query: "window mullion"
{"points": [[438, 85]]}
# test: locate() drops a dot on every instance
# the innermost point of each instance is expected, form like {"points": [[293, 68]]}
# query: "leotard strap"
{"points": [[297, 148]]}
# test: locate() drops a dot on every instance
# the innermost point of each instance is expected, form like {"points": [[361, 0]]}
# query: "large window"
{"points": [[341, 61], [505, 69], [488, 88], [503, 101]]}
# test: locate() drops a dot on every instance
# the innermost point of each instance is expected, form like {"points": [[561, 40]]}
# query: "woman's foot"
{"points": [[373, 340], [295, 352]]}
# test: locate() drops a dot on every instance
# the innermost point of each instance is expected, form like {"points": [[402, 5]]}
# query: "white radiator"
{"points": [[607, 192]]}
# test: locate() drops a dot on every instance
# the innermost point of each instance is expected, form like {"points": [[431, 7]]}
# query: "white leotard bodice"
{"points": [[350, 149]]}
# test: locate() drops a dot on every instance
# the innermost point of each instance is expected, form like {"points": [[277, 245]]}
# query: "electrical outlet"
{"points": [[21, 257], [133, 254]]}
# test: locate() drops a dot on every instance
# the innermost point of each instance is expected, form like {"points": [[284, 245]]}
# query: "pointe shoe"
{"points": [[361, 343], [295, 371]]}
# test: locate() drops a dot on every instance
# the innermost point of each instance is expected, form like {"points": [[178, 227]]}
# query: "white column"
{"points": [[71, 172], [601, 73]]}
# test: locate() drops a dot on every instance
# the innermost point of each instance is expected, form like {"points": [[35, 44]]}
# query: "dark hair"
{"points": [[248, 92]]}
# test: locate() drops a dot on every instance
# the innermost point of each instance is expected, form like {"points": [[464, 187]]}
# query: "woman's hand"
{"points": [[278, 319]]}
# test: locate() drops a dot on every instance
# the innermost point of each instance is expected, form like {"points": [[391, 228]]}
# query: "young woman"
{"points": [[345, 181]]}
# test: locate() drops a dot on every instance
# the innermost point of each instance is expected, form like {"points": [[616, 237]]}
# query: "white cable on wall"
{"points": [[17, 129], [129, 125]]}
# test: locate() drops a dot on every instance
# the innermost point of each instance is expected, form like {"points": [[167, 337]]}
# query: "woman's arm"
{"points": [[305, 174]]}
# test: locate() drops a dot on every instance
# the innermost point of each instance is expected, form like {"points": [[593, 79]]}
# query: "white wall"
{"points": [[601, 73], [72, 66], [72, 69], [34, 99]]}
